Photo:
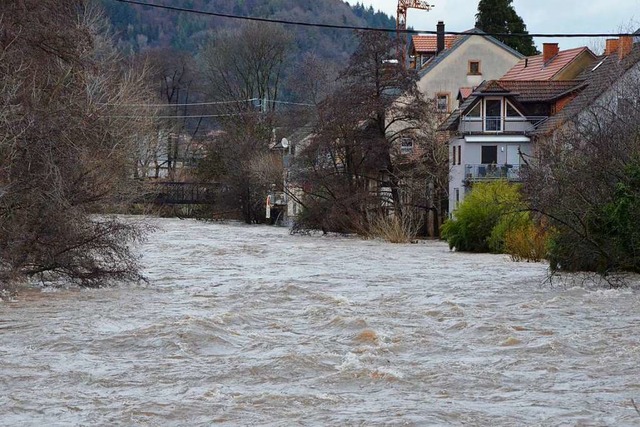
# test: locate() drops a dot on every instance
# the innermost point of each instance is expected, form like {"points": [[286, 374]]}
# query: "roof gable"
{"points": [[517, 92], [460, 40]]}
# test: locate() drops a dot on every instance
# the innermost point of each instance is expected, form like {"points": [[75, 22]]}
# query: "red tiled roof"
{"points": [[521, 92], [429, 44], [534, 67], [539, 90], [599, 80], [465, 92], [493, 86]]}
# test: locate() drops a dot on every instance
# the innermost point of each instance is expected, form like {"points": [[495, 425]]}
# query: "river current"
{"points": [[250, 326]]}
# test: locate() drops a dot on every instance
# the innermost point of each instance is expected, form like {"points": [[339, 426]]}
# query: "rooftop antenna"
{"points": [[401, 24]]}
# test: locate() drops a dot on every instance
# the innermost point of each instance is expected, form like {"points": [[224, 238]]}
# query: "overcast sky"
{"points": [[540, 16]]}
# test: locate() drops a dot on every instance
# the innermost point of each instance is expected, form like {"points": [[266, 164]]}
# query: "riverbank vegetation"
{"points": [[577, 225], [356, 179], [587, 186], [494, 217], [66, 151]]}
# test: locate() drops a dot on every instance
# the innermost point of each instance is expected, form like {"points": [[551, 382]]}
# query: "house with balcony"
{"points": [[492, 129], [501, 122]]}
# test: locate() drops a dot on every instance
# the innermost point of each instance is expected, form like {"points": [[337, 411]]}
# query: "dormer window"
{"points": [[476, 111], [493, 114], [511, 111]]}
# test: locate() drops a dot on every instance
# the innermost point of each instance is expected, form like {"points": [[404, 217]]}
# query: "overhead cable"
{"points": [[191, 104], [359, 28]]}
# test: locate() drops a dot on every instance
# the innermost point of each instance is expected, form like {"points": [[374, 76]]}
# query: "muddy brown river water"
{"points": [[249, 326]]}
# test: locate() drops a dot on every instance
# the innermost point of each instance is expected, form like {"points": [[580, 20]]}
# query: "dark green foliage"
{"points": [[499, 16], [612, 240], [138, 27]]}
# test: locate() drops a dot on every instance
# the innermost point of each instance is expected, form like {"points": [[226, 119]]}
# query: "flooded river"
{"points": [[249, 326]]}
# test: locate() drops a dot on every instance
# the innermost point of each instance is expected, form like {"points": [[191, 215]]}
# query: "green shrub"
{"points": [[608, 237], [490, 206], [527, 242]]}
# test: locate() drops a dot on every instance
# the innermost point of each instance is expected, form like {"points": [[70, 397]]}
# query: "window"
{"points": [[474, 68], [475, 111], [453, 155], [489, 154], [511, 111], [493, 118], [442, 103], [459, 154], [406, 146]]}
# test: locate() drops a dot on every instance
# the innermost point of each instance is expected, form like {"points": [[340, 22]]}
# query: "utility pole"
{"points": [[401, 24]]}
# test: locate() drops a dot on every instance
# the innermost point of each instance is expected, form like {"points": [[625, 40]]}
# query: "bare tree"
{"points": [[243, 70], [246, 65], [175, 79], [585, 178], [66, 150], [354, 164]]}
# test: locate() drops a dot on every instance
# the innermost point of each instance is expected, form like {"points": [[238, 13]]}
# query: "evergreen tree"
{"points": [[499, 16]]}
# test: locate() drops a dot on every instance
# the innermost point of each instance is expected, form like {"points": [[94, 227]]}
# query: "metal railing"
{"points": [[497, 124], [487, 172]]}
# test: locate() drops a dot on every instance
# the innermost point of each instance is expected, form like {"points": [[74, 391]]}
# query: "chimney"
{"points": [[549, 50], [440, 37], [612, 46], [625, 46]]}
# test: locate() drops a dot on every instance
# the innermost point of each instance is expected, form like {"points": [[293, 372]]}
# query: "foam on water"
{"points": [[247, 325]]}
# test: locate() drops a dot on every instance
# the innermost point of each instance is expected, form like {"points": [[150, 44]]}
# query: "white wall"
{"points": [[451, 74]]}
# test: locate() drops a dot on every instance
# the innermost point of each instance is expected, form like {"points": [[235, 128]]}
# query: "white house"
{"points": [[492, 130], [501, 122]]}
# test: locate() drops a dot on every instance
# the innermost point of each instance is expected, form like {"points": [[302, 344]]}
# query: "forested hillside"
{"points": [[141, 27]]}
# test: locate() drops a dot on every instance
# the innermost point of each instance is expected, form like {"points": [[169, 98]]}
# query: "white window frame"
{"points": [[501, 117]]}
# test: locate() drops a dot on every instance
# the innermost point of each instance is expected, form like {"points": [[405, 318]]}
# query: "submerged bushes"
{"points": [[402, 228], [494, 218]]}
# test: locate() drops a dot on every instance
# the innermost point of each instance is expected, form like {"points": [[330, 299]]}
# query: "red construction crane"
{"points": [[401, 24]]}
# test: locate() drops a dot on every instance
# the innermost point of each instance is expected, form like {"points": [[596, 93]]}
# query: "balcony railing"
{"points": [[497, 124], [488, 172]]}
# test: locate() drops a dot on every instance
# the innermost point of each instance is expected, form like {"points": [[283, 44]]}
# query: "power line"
{"points": [[204, 116], [358, 28], [184, 104], [199, 104], [291, 103]]}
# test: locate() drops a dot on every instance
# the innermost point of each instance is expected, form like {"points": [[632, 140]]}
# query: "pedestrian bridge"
{"points": [[183, 193]]}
